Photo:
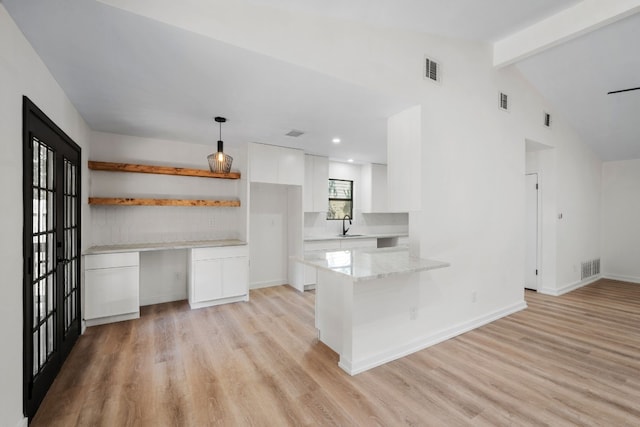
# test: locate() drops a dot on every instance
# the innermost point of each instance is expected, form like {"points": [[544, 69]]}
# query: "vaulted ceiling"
{"points": [[129, 74]]}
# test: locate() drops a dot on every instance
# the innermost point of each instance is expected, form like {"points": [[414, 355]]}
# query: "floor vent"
{"points": [[590, 268], [504, 101], [431, 70]]}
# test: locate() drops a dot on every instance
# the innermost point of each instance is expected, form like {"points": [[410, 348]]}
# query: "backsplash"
{"points": [[151, 224], [316, 224]]}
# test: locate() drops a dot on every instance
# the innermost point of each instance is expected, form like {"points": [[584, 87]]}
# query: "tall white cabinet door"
{"points": [[207, 277], [307, 190], [235, 276], [290, 166], [320, 184], [263, 163]]}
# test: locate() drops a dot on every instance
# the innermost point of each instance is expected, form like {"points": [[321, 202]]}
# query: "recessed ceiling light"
{"points": [[350, 160], [336, 140]]}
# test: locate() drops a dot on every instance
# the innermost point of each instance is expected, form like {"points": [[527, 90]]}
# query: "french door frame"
{"points": [[36, 125]]}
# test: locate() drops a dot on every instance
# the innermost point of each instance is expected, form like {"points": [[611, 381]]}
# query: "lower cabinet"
{"points": [[111, 287], [218, 275]]}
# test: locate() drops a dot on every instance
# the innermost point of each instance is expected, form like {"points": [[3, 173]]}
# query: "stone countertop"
{"points": [[351, 237], [143, 247], [369, 264]]}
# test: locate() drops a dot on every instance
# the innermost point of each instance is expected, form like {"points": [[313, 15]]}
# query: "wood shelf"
{"points": [[160, 170], [126, 201]]}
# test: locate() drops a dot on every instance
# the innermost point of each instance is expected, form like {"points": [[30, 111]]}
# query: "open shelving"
{"points": [[160, 170]]}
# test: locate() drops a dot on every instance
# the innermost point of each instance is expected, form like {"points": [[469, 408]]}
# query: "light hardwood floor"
{"points": [[569, 360]]}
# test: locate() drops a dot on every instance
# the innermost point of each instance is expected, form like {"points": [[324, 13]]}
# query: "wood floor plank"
{"points": [[564, 361]]}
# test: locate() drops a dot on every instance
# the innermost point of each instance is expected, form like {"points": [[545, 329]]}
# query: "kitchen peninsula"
{"points": [[366, 303]]}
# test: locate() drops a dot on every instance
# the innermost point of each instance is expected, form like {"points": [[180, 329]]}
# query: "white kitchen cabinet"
{"points": [[218, 275], [374, 188], [276, 165], [316, 183], [111, 287], [235, 276], [207, 277]]}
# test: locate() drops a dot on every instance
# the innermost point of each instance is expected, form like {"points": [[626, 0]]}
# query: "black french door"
{"points": [[51, 252]]}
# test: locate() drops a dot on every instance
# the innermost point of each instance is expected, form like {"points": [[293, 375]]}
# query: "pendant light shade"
{"points": [[219, 162]]}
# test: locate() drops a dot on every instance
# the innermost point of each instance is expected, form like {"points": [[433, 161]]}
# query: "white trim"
{"points": [[240, 298], [23, 423], [161, 299], [268, 283], [112, 319], [570, 287], [353, 368], [630, 279]]}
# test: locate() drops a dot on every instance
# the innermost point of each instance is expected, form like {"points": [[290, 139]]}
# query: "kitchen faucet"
{"points": [[345, 230]]}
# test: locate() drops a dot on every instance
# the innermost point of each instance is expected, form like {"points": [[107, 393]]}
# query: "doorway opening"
{"points": [[51, 252], [531, 232]]}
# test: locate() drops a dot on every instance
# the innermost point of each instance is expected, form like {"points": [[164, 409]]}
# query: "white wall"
{"points": [[148, 224], [22, 73], [621, 220], [404, 171], [268, 235]]}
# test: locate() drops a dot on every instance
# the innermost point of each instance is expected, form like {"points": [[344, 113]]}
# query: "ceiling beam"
{"points": [[584, 17]]}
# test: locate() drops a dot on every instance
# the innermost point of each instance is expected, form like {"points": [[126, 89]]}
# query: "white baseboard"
{"points": [[630, 279], [212, 303], [160, 299], [570, 287], [112, 319], [353, 368], [267, 284]]}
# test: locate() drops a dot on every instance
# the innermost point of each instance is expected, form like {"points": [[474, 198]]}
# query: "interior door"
{"points": [[51, 288], [531, 232]]}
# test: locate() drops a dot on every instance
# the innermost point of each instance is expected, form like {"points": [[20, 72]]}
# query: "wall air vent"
{"points": [[431, 70], [590, 268], [504, 102], [294, 133], [547, 120]]}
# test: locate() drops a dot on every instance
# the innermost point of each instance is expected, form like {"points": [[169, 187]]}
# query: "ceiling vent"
{"points": [[504, 101], [547, 120], [431, 70], [294, 133]]}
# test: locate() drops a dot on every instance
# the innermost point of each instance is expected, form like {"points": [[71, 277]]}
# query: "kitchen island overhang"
{"points": [[366, 303]]}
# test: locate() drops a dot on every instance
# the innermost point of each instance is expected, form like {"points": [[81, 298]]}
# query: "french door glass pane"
{"points": [[44, 258], [70, 243]]}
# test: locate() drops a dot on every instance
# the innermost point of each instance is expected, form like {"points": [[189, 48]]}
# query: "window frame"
{"points": [[330, 199]]}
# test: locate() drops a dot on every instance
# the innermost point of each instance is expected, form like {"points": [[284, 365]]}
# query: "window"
{"points": [[340, 199]]}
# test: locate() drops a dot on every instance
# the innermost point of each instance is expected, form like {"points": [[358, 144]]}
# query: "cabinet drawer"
{"points": [[198, 254], [122, 259], [111, 292], [321, 245]]}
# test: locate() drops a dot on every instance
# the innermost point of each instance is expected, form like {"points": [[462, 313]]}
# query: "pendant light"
{"points": [[219, 162]]}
